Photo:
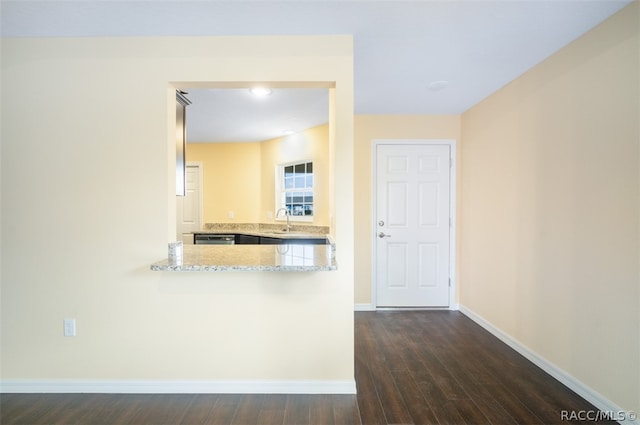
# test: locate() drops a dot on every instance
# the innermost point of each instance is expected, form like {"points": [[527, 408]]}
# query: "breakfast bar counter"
{"points": [[288, 257]]}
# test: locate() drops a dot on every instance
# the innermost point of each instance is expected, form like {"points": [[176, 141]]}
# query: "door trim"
{"points": [[453, 305], [198, 165]]}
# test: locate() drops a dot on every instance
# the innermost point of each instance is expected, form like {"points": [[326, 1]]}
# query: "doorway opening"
{"points": [[240, 140]]}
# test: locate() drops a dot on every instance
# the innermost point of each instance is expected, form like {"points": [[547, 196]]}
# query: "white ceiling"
{"points": [[236, 115], [400, 47]]}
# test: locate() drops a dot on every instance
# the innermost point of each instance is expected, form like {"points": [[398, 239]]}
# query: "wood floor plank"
{"points": [[297, 411], [444, 409], [473, 377], [101, 409], [321, 410], [273, 407], [56, 407], [392, 402], [249, 409], [514, 406], [417, 406], [199, 410], [440, 375], [224, 409], [162, 409], [494, 412], [345, 410], [382, 367], [11, 405], [369, 404], [129, 407], [36, 412], [407, 372], [74, 410], [470, 412]]}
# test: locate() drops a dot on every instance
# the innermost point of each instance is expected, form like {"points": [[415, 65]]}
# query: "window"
{"points": [[295, 190]]}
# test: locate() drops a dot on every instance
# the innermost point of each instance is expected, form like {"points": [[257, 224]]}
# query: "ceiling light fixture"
{"points": [[287, 132], [260, 91]]}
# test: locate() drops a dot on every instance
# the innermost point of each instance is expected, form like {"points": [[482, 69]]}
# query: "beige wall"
{"points": [[240, 177], [551, 206], [312, 144], [367, 129], [230, 180], [88, 147]]}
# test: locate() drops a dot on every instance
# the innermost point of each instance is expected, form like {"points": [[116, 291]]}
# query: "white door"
{"points": [[189, 209], [412, 228]]}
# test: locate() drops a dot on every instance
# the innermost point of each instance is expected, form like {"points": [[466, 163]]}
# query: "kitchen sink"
{"points": [[282, 232]]}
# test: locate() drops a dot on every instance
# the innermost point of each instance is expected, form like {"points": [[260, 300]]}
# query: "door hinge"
{"points": [[450, 162], [449, 282]]}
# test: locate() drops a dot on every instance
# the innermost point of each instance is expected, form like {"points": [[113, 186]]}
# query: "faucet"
{"points": [[286, 214]]}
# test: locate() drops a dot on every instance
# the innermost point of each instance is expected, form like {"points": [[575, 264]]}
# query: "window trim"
{"points": [[279, 180]]}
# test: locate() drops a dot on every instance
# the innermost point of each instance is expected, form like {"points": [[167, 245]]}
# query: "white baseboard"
{"points": [[584, 391], [371, 307], [364, 307], [178, 387]]}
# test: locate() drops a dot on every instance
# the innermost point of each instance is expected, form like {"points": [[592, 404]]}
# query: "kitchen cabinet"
{"points": [[265, 240], [312, 241], [243, 239], [296, 241], [247, 240]]}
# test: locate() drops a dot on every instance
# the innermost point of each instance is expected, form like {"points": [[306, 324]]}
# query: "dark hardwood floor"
{"points": [[414, 367]]}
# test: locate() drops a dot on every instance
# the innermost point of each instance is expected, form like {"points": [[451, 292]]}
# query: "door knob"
{"points": [[383, 235]]}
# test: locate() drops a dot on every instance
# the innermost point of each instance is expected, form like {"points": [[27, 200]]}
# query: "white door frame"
{"points": [[197, 165], [453, 305]]}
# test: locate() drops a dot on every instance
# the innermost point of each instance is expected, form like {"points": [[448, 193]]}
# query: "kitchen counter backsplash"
{"points": [[265, 227]]}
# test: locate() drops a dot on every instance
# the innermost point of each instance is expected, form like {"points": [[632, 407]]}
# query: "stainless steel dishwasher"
{"points": [[208, 239]]}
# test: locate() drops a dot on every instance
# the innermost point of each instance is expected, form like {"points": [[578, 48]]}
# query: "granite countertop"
{"points": [[286, 257], [272, 230]]}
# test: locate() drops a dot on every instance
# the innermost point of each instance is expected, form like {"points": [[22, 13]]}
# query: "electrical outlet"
{"points": [[269, 215], [69, 327], [230, 214]]}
